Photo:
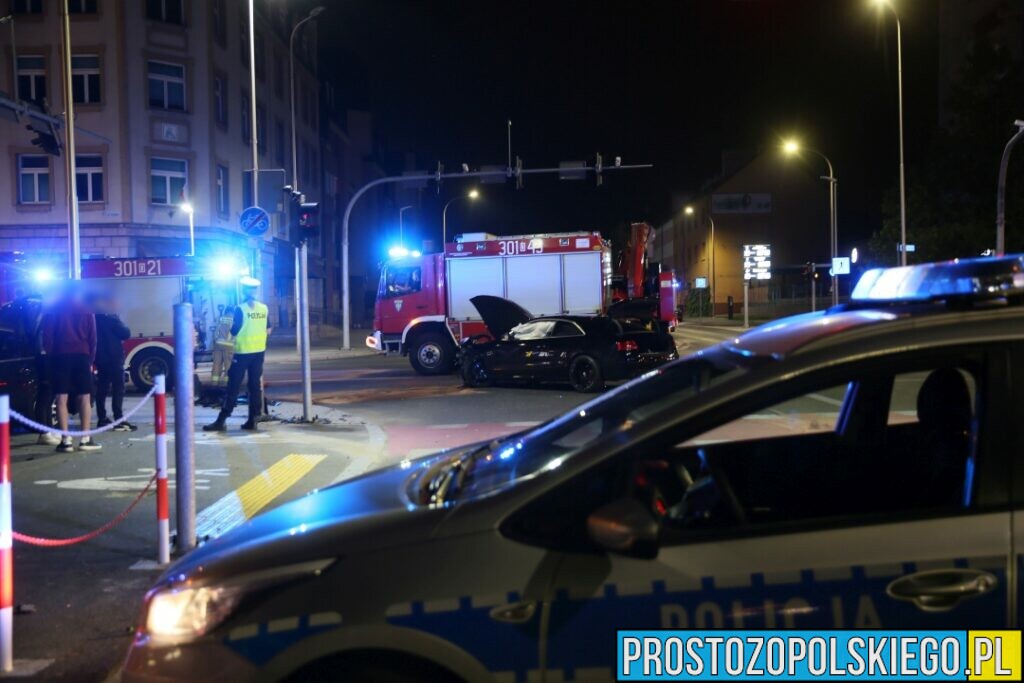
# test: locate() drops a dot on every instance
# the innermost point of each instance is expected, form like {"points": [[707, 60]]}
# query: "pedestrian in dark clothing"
{"points": [[69, 339], [110, 333]]}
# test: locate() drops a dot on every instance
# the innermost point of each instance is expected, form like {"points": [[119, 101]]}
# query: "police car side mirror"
{"points": [[625, 526]]}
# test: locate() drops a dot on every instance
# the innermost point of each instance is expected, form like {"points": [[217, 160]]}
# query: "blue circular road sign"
{"points": [[254, 221]]}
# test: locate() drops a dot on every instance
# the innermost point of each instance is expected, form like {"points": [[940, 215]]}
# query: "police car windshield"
{"points": [[548, 446]]}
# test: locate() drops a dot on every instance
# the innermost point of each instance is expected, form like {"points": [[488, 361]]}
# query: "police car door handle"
{"points": [[940, 590], [514, 613]]}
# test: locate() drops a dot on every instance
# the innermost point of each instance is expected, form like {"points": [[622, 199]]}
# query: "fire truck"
{"points": [[145, 290], [423, 304]]}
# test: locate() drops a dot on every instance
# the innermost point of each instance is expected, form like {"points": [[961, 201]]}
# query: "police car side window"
{"points": [[880, 444]]}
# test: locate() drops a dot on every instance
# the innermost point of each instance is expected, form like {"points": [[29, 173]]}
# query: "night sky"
{"points": [[672, 83]]}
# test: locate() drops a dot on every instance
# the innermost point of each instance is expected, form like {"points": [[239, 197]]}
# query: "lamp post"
{"points": [[792, 147], [190, 211], [689, 211], [313, 13], [472, 194], [1001, 190], [401, 227], [899, 88]]}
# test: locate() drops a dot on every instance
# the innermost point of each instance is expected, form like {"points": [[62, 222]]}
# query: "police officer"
{"points": [[250, 329]]}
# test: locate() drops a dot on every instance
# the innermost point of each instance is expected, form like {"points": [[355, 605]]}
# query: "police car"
{"points": [[858, 467]]}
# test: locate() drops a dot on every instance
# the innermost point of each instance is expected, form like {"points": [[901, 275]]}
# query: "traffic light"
{"points": [[309, 221], [808, 270], [46, 138]]}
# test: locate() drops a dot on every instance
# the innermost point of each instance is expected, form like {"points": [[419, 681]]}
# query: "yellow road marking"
{"points": [[254, 495]]}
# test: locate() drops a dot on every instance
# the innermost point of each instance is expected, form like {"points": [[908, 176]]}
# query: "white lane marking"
{"points": [[522, 424], [147, 566], [451, 426]]}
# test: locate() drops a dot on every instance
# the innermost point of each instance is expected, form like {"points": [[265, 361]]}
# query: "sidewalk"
{"points": [[281, 346]]}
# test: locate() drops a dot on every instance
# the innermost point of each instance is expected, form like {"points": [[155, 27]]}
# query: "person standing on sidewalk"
{"points": [[42, 411], [110, 335], [250, 329], [69, 339]]}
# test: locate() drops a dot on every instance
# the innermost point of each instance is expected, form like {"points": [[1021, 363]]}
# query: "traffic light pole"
{"points": [[509, 172], [303, 327]]}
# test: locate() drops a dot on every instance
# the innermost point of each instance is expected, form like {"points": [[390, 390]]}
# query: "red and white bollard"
{"points": [[6, 542], [160, 437]]}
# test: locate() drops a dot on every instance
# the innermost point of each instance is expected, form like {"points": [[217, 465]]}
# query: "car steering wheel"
{"points": [[723, 483]]}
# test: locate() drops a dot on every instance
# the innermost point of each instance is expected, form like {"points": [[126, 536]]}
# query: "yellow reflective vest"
{"points": [[252, 338]]}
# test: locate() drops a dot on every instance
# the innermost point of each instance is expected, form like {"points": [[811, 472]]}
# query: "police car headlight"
{"points": [[184, 613]]}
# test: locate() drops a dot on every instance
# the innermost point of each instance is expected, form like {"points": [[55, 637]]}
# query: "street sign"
{"points": [[757, 262], [700, 283], [910, 247], [254, 221], [841, 265]]}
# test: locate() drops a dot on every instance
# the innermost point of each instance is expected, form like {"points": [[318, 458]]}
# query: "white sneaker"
{"points": [[48, 439], [87, 444]]}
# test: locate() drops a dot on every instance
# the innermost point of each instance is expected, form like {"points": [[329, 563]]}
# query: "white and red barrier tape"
{"points": [[32, 424]]}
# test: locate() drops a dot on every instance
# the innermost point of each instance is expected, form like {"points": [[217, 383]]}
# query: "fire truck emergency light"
{"points": [[42, 275]]}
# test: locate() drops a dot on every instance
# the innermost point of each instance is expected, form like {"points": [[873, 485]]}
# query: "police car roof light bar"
{"points": [[974, 278]]}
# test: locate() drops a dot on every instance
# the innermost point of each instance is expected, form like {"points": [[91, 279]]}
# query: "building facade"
{"points": [[162, 110], [769, 200]]}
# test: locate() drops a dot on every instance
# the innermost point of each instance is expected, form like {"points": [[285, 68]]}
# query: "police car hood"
{"points": [[363, 514]]}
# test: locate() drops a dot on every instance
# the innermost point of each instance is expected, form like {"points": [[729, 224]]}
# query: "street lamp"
{"points": [[792, 147], [401, 227], [472, 194], [313, 13], [689, 211], [1001, 190], [190, 210], [899, 86]]}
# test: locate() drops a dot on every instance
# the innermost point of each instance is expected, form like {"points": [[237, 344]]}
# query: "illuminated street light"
{"points": [[472, 194], [689, 211], [883, 4], [791, 148], [190, 210]]}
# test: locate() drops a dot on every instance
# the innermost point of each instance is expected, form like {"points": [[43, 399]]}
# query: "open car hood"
{"points": [[500, 315]]}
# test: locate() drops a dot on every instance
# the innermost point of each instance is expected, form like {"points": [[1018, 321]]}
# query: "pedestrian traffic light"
{"points": [[309, 221], [46, 138]]}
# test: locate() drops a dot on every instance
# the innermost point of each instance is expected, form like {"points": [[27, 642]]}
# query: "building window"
{"points": [[33, 179], [279, 142], [31, 78], [26, 6], [261, 128], [220, 100], [220, 22], [82, 7], [167, 180], [89, 177], [167, 11], [223, 196], [167, 86], [85, 79], [246, 122]]}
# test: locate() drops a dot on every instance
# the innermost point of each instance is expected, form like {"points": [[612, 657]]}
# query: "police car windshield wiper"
{"points": [[446, 477]]}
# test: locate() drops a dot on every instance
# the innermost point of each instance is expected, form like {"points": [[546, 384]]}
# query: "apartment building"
{"points": [[162, 107]]}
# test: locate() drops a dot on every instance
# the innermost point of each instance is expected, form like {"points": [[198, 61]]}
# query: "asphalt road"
{"points": [[81, 600]]}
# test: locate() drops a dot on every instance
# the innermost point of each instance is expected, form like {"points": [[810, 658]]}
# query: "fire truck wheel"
{"points": [[149, 363], [431, 354], [585, 374]]}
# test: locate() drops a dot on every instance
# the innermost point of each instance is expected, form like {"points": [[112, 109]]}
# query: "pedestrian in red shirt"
{"points": [[69, 339]]}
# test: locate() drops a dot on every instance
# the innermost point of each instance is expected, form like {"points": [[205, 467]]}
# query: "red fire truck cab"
{"points": [[423, 304]]}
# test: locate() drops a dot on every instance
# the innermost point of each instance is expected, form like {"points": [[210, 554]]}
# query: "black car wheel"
{"points": [[474, 374], [585, 374]]}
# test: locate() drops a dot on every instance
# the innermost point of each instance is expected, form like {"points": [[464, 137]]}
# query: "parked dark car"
{"points": [[584, 351], [17, 361]]}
